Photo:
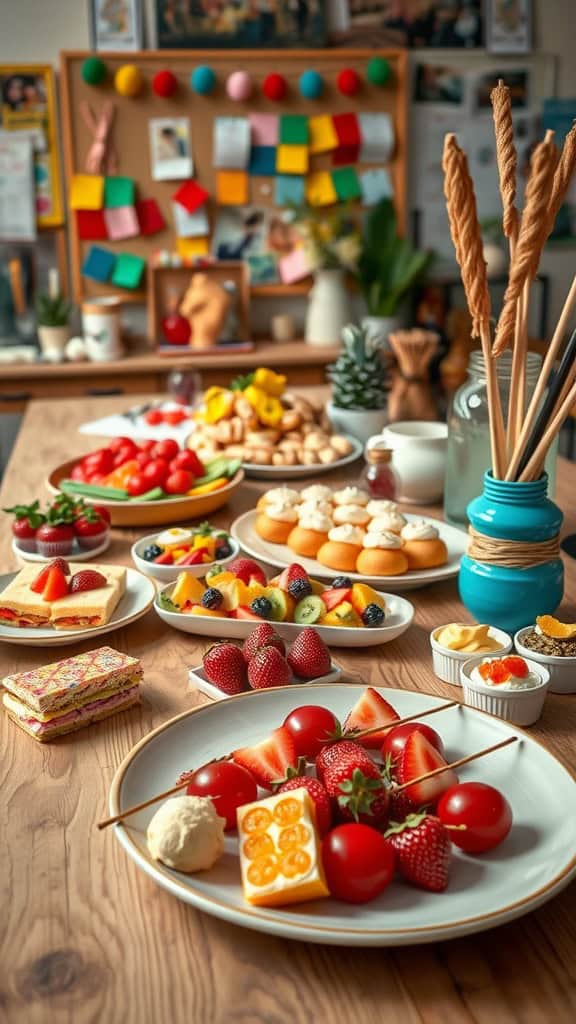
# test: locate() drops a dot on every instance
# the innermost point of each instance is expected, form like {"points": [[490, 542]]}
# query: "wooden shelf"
{"points": [[271, 291]]}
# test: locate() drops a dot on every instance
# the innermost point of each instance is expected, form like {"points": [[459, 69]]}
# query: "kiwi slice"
{"points": [[279, 604], [309, 610]]}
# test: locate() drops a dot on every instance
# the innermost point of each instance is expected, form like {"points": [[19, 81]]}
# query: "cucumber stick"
{"points": [[92, 491]]}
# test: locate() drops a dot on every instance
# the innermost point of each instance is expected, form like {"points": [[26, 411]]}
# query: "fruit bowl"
{"points": [[153, 513], [168, 573]]}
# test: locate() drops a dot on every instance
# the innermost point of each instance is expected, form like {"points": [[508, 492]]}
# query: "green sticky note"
{"points": [[294, 129], [346, 183], [118, 192], [128, 270]]}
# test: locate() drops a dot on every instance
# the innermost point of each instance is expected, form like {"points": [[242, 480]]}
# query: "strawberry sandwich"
{"points": [[76, 596]]}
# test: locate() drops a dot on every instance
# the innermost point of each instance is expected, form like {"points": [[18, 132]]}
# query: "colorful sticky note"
{"points": [[294, 266], [99, 264], [231, 143], [288, 190], [377, 138], [86, 192], [128, 270], [118, 191], [320, 190], [375, 185], [292, 159], [189, 248], [346, 183], [190, 225], [90, 225], [323, 137], [150, 219], [264, 129], [121, 222], [348, 133], [294, 129], [262, 161], [232, 188], [190, 195]]}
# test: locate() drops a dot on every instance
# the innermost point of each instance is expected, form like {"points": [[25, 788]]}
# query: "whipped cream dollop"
{"points": [[512, 682], [186, 834], [283, 512], [316, 520], [351, 496], [459, 636], [317, 492], [351, 514], [347, 534], [389, 521], [382, 539], [420, 530], [326, 507], [381, 507], [174, 536], [281, 496]]}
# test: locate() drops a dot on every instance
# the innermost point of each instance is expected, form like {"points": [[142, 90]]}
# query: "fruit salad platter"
{"points": [[148, 483], [352, 819], [231, 599], [192, 549], [67, 527]]}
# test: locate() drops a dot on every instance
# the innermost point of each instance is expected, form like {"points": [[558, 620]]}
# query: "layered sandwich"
{"points": [[76, 596], [56, 699]]}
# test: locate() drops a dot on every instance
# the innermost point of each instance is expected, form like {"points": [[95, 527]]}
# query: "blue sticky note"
{"points": [[375, 185], [99, 264], [289, 189], [262, 160]]}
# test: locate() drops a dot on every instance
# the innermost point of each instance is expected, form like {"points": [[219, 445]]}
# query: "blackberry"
{"points": [[212, 598], [223, 549], [261, 606], [373, 615], [341, 581], [151, 552], [300, 588]]}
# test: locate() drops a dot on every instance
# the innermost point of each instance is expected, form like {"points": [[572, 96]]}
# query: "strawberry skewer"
{"points": [[457, 764], [400, 721]]}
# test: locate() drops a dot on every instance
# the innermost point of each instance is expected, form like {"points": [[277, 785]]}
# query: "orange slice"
{"points": [[287, 812], [295, 862], [257, 820], [554, 628], [294, 836], [262, 871], [257, 845]]}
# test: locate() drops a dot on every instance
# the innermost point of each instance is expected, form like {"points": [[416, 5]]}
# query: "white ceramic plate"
{"points": [[534, 863], [77, 554], [399, 615], [287, 473], [168, 573], [136, 601], [279, 555], [197, 678]]}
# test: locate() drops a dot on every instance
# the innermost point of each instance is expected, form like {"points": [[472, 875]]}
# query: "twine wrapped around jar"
{"points": [[512, 554]]}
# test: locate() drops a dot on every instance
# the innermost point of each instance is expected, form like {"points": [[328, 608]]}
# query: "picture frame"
{"points": [[509, 26], [408, 24], [116, 25], [162, 280], [270, 24]]}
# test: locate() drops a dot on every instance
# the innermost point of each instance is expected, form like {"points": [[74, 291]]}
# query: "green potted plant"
{"points": [[359, 385], [388, 268], [53, 318]]}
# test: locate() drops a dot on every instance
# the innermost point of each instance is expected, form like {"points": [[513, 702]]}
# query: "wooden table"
{"points": [[86, 937]]}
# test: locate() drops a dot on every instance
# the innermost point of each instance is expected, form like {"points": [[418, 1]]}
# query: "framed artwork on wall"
{"points": [[116, 25], [414, 24], [239, 24], [508, 26]]}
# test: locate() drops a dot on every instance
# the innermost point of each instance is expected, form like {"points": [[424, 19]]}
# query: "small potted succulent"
{"points": [[359, 385], [53, 317]]}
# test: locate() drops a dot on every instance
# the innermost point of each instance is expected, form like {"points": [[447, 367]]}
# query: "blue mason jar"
{"points": [[512, 597]]}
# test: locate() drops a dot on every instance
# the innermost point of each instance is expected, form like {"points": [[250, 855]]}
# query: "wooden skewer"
{"points": [[562, 411], [408, 718], [457, 764], [495, 418], [517, 399]]}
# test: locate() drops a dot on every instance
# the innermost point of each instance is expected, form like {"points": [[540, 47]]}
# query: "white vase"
{"points": [[359, 423], [101, 328], [328, 309], [53, 341], [379, 327]]}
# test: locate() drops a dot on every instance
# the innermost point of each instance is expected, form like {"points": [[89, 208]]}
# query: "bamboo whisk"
{"points": [[414, 351]]}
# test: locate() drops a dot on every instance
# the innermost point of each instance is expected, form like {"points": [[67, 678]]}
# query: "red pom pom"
{"points": [[349, 82], [274, 87], [164, 84]]}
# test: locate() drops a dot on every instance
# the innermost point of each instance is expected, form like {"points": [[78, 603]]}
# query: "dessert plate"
{"points": [[77, 554], [287, 473], [279, 555], [136, 601], [534, 863]]}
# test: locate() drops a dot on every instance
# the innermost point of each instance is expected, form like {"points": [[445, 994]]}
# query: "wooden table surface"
{"points": [[86, 937]]}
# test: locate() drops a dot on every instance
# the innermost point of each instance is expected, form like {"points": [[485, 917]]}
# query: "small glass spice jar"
{"points": [[378, 477]]}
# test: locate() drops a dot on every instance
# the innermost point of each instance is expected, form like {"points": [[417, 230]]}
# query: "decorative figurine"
{"points": [[205, 305]]}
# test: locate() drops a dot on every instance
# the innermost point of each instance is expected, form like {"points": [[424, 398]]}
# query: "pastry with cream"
{"points": [[381, 507], [354, 514], [315, 506], [460, 636], [310, 533], [186, 834], [276, 522], [390, 522], [317, 492], [382, 555], [342, 548], [351, 496], [278, 496], [422, 545]]}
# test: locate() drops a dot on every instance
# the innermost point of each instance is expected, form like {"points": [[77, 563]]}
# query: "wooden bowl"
{"points": [[153, 513]]}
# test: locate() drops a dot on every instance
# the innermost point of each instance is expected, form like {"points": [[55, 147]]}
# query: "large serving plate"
{"points": [[399, 615], [243, 530], [287, 473], [534, 863], [136, 601]]}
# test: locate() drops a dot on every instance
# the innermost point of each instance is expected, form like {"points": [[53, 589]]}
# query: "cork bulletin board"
{"points": [[130, 134]]}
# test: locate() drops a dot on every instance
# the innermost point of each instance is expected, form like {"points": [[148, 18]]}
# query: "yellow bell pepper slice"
{"points": [[269, 381], [214, 485], [219, 407], [270, 412]]}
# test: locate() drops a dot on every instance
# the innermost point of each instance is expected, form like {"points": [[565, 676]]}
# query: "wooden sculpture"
{"points": [[205, 305]]}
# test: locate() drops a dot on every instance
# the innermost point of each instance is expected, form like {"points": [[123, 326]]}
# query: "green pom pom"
{"points": [[93, 71], [378, 71]]}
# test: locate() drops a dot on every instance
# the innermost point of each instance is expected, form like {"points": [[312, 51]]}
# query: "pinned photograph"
{"points": [[170, 151], [435, 83], [116, 24], [240, 231]]}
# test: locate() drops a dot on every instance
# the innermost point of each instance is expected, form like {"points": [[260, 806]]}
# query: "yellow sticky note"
{"points": [[87, 192], [292, 159], [187, 248], [320, 189], [322, 134], [232, 188]]}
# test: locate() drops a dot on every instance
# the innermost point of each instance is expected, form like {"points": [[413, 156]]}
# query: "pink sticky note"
{"points": [[294, 266], [264, 129], [121, 222]]}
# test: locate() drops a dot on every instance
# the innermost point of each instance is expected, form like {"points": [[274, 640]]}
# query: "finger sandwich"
{"points": [[20, 606]]}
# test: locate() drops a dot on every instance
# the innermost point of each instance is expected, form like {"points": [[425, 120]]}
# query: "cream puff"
{"points": [[278, 496], [326, 507], [342, 548], [422, 545], [380, 507], [317, 492], [277, 522], [382, 555], [310, 533], [389, 522], [354, 514], [351, 496]]}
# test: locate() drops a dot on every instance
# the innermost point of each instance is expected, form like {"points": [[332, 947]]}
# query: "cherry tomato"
{"points": [[101, 461], [102, 512], [147, 446], [137, 484], [120, 442], [358, 862], [155, 473], [166, 449], [311, 726], [95, 479], [174, 417], [187, 460], [227, 784], [484, 811], [78, 473], [143, 458], [395, 740], [179, 482], [153, 417], [123, 455]]}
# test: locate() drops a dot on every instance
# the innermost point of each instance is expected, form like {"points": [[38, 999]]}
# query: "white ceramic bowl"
{"points": [[447, 663], [520, 707], [418, 457], [562, 670], [168, 573]]}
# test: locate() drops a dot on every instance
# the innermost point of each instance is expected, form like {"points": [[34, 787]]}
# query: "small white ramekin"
{"points": [[562, 670], [447, 663], [520, 707]]}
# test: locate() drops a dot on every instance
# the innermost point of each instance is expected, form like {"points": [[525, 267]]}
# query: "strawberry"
{"points": [[225, 667], [319, 798], [244, 612], [309, 657], [269, 760], [399, 805], [341, 752], [370, 711], [419, 757], [192, 558], [360, 793], [56, 585], [423, 851], [247, 570], [39, 583], [335, 596], [87, 579], [166, 558], [291, 573], [263, 636], [268, 668]]}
